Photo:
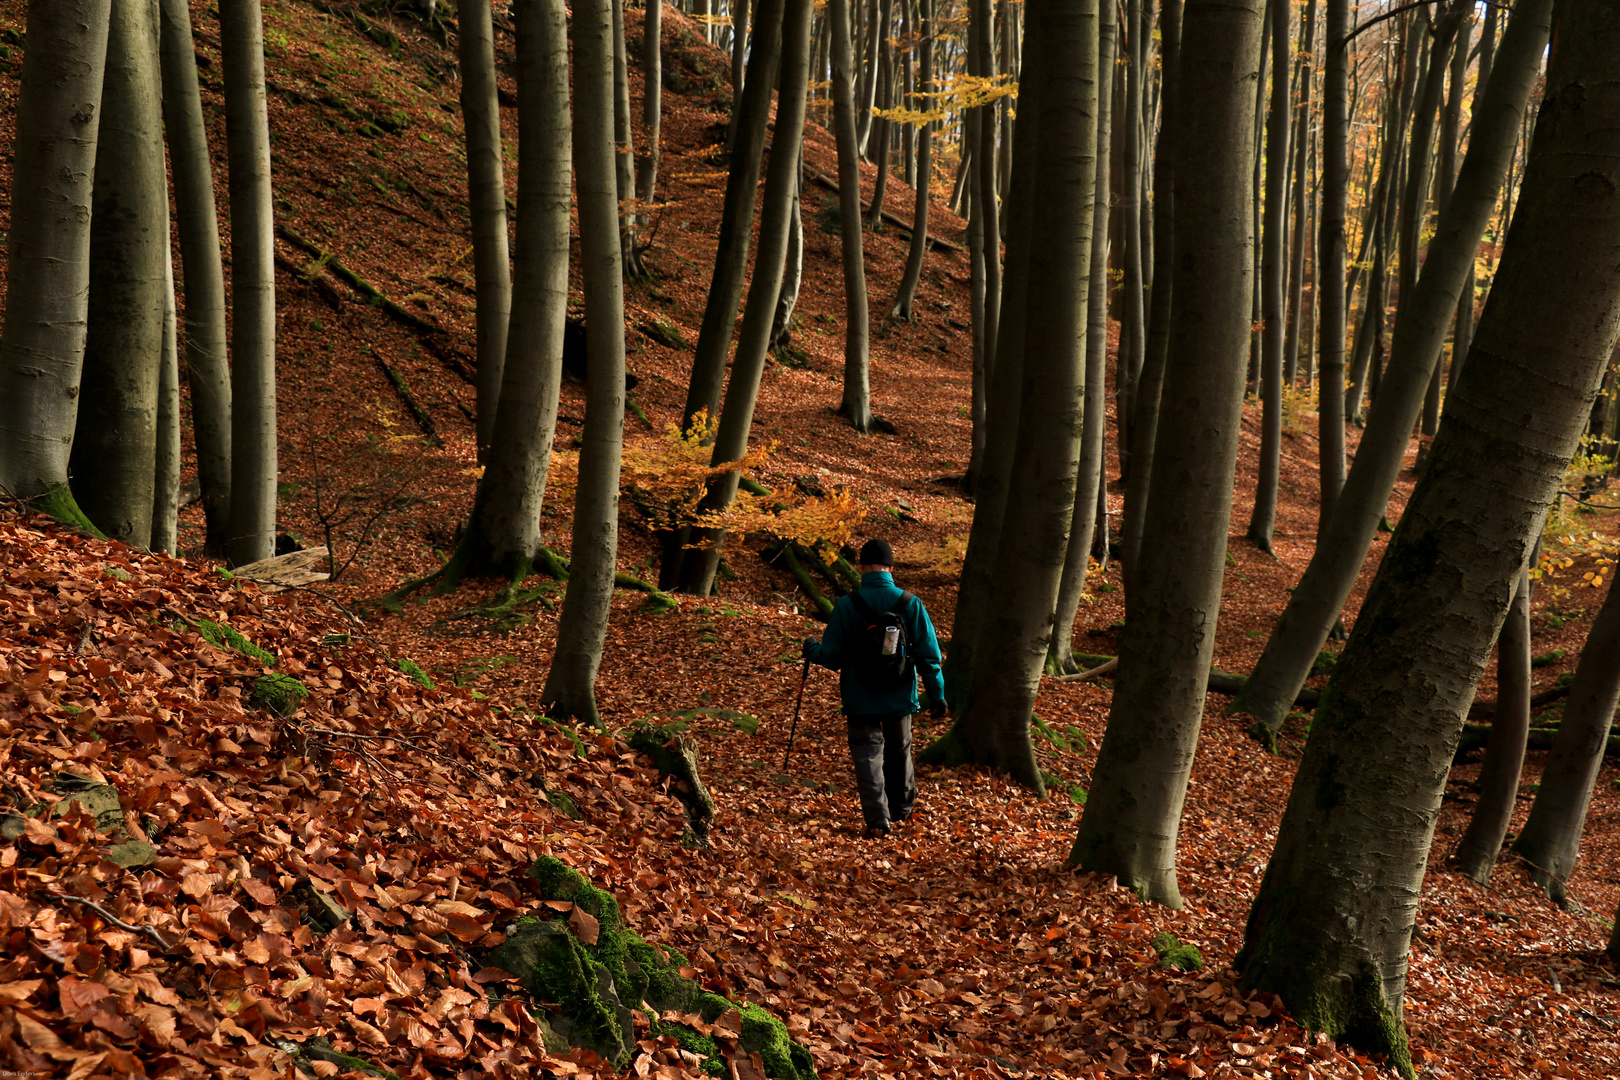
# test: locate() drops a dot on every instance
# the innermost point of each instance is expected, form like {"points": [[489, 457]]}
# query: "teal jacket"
{"points": [[882, 594]]}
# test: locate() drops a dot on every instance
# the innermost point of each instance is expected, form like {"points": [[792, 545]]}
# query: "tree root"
{"points": [[802, 576]]}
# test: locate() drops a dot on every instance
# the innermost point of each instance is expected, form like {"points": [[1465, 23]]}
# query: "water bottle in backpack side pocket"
{"points": [[891, 640]]}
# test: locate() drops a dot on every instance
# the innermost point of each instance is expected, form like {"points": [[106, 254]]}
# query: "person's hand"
{"points": [[938, 710], [810, 645]]}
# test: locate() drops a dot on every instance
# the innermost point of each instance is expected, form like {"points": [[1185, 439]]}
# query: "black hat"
{"points": [[876, 553]]}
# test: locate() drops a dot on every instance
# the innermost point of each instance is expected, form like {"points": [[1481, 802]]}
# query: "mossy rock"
{"points": [[675, 754], [765, 1035], [588, 991], [1173, 954], [222, 636], [320, 1049], [585, 1007], [278, 694], [100, 801]]}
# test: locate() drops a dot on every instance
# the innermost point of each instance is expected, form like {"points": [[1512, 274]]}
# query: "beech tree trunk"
{"points": [[1419, 331], [1133, 813], [787, 297], [652, 93], [742, 392], [1551, 839], [1504, 752], [1089, 480], [1330, 257], [1144, 428], [570, 689], [736, 216], [486, 202], [208, 375], [624, 161], [1463, 336], [1273, 311], [503, 538], [1298, 327], [253, 286], [166, 464], [924, 170], [1331, 927], [115, 440], [1057, 133], [856, 405], [48, 249], [1128, 203]]}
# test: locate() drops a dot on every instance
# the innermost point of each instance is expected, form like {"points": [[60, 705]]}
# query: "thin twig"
{"points": [[115, 920]]}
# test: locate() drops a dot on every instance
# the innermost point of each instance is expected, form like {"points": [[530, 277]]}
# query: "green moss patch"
{"points": [[587, 991], [278, 694], [675, 755], [410, 668], [1173, 954], [222, 636]]}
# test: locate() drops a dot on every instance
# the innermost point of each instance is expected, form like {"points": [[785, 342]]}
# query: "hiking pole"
{"points": [[796, 707]]}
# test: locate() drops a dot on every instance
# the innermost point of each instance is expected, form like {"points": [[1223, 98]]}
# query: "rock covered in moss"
{"points": [[222, 636], [589, 990], [278, 694], [411, 668]]}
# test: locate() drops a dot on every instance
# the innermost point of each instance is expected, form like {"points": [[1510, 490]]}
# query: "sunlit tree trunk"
{"points": [[253, 286], [115, 440], [924, 171], [736, 216], [856, 405], [652, 94], [486, 201], [781, 186], [503, 537], [570, 689], [1330, 930], [1419, 331], [624, 160], [208, 375], [1133, 813], [1093, 430], [1330, 285], [48, 249], [167, 463], [1298, 327]]}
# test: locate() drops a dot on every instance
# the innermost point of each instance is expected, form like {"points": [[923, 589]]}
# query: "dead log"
{"points": [[403, 389], [327, 260], [888, 215]]}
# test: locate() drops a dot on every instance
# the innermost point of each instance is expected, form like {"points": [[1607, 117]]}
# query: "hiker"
{"points": [[880, 639]]}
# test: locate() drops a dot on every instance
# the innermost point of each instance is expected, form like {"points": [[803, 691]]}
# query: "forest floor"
{"points": [[960, 947]]}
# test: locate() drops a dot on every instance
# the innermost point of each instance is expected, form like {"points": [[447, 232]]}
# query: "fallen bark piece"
{"points": [[286, 571]]}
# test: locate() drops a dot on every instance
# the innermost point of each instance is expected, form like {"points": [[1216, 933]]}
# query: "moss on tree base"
{"points": [[58, 502]]}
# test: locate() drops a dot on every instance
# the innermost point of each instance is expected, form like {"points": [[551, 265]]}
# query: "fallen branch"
{"points": [[403, 389], [1475, 736], [1091, 673], [326, 259], [115, 920], [1485, 710], [287, 571], [889, 216]]}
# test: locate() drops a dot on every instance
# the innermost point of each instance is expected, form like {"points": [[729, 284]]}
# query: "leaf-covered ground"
{"points": [[962, 947]]}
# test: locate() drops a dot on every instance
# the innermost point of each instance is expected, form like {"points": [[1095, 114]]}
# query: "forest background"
{"points": [[378, 456]]}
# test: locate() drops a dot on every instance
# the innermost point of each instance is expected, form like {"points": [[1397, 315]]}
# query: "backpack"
{"points": [[881, 649]]}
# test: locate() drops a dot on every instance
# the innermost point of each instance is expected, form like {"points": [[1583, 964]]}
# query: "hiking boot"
{"points": [[876, 832]]}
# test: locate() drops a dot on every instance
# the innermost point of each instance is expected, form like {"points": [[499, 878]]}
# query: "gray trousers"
{"points": [[881, 749]]}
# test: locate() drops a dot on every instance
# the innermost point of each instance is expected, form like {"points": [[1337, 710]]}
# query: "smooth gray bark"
{"points": [[624, 161], [923, 169], [1330, 930], [1551, 839], [985, 189], [787, 297], [1058, 119], [504, 537], [208, 375], [781, 186], [1094, 427], [1498, 783], [166, 466], [1144, 427], [1133, 813], [570, 689], [1305, 67], [652, 94], [1273, 310], [1330, 258], [736, 216], [1128, 206], [1445, 180], [1420, 329], [856, 405], [115, 438], [486, 203], [253, 286], [48, 250]]}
